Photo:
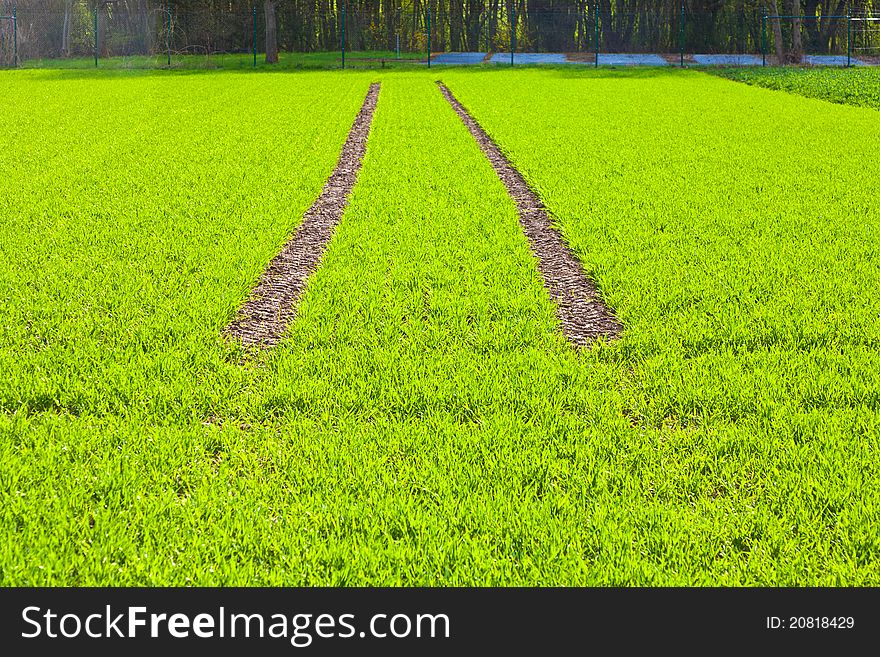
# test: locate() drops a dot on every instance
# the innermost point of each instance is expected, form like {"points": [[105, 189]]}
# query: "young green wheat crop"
{"points": [[424, 422]]}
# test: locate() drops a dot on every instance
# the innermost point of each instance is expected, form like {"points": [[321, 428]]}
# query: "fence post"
{"points": [[764, 40], [96, 34], [848, 41], [254, 35], [342, 36], [15, 36], [168, 32], [429, 37], [681, 35], [596, 21], [512, 32]]}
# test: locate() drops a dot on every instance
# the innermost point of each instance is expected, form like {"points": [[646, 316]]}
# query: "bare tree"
{"points": [[777, 34], [797, 50], [271, 32], [65, 28]]}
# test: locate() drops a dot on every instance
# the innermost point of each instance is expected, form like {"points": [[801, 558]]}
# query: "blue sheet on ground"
{"points": [[627, 59], [728, 60], [529, 58], [458, 58], [631, 59], [829, 60]]}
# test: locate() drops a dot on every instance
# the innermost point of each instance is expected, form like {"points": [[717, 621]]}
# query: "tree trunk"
{"points": [[797, 49], [455, 24], [103, 42], [473, 21], [271, 33], [65, 30], [493, 26], [609, 37], [146, 27], [777, 34], [829, 27], [390, 15]]}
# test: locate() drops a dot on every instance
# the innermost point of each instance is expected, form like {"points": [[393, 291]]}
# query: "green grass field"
{"points": [[855, 86], [425, 422]]}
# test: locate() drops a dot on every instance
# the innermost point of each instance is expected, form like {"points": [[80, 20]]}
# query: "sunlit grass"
{"points": [[424, 422]]}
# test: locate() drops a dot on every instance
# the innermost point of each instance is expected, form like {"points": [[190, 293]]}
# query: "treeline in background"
{"points": [[50, 29]]}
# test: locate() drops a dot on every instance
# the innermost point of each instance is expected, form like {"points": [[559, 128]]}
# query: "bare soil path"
{"points": [[265, 316], [582, 313]]}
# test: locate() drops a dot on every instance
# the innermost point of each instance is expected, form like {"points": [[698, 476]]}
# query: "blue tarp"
{"points": [[530, 58], [631, 59], [829, 60], [728, 60], [626, 59], [458, 58]]}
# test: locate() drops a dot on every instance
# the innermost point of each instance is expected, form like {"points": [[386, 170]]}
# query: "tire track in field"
{"points": [[582, 313], [264, 317]]}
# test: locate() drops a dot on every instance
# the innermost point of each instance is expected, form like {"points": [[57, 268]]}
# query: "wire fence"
{"points": [[150, 34], [8, 38]]}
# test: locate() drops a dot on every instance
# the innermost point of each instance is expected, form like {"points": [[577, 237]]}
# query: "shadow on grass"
{"points": [[356, 64], [580, 70]]}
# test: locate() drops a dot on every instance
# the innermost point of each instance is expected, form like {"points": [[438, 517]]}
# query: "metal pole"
{"points": [[15, 36], [254, 36], [596, 10], [342, 36], [848, 41], [512, 32], [429, 37], [764, 40], [681, 36], [168, 32], [96, 35]]}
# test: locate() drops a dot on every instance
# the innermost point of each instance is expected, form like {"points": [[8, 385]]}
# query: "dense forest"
{"points": [[63, 28]]}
